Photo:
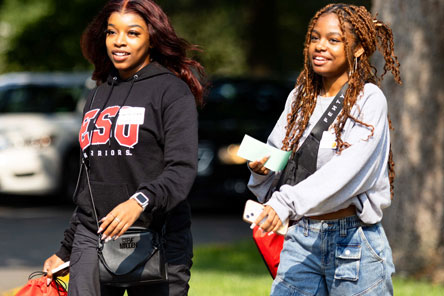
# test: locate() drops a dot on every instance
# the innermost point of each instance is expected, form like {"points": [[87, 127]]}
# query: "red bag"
{"points": [[38, 287], [270, 247]]}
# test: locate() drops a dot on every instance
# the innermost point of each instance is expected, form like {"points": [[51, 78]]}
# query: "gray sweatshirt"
{"points": [[357, 176]]}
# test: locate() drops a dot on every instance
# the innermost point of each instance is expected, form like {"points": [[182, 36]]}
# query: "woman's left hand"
{"points": [[120, 219], [272, 222]]}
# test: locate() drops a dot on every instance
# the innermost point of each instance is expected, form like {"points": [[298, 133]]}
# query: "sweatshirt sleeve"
{"points": [[172, 186], [352, 172], [258, 184], [64, 251]]}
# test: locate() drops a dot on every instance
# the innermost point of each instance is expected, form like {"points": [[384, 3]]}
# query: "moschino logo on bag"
{"points": [[128, 243]]}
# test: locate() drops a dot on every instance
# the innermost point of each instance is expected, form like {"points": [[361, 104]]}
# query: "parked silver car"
{"points": [[40, 115]]}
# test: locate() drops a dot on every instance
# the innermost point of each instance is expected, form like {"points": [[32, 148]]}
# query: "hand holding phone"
{"points": [[253, 209]]}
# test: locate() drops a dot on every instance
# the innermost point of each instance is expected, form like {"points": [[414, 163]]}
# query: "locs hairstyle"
{"points": [[166, 47], [372, 35]]}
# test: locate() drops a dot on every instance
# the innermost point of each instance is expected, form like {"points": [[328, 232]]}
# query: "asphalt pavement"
{"points": [[29, 235]]}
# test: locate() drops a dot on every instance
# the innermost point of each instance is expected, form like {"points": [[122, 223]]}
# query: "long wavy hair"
{"points": [[167, 48], [372, 35]]}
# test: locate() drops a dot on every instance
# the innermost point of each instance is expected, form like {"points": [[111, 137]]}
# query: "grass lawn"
{"points": [[238, 270], [229, 270]]}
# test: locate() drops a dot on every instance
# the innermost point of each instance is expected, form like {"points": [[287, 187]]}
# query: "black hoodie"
{"points": [[139, 135]]}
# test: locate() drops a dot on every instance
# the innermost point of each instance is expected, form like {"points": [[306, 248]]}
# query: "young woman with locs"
{"points": [[336, 244], [139, 136]]}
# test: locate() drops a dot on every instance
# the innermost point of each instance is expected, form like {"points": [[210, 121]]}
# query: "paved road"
{"points": [[31, 234]]}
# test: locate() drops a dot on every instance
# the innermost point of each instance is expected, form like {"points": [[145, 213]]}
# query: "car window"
{"points": [[39, 99]]}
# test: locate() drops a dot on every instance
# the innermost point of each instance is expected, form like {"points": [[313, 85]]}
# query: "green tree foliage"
{"points": [[49, 41], [217, 28], [254, 37]]}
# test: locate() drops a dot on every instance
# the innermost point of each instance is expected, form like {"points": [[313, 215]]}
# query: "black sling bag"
{"points": [[303, 163]]}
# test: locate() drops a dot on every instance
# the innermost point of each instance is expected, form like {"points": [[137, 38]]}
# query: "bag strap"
{"points": [[307, 154], [330, 114], [85, 153], [303, 162], [85, 166]]}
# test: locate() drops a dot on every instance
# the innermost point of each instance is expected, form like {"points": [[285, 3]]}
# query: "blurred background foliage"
{"points": [[250, 37]]}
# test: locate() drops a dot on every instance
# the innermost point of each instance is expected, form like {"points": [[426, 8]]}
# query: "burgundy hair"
{"points": [[166, 47]]}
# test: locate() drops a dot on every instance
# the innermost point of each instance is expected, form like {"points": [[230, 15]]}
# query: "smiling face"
{"points": [[127, 43], [326, 50]]}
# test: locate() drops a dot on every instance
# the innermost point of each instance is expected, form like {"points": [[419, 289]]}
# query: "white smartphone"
{"points": [[61, 267], [253, 209]]}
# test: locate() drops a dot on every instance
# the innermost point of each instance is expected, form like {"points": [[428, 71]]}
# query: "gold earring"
{"points": [[355, 67]]}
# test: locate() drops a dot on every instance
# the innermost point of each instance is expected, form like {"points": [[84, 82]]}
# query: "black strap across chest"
{"points": [[308, 152], [303, 163]]}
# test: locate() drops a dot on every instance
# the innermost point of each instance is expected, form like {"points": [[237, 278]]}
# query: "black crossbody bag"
{"points": [[303, 162], [135, 258]]}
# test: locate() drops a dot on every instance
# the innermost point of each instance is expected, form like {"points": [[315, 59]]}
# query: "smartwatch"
{"points": [[141, 199]]}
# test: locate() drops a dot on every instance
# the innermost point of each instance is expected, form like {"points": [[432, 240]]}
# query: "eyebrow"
{"points": [[131, 26], [328, 34]]}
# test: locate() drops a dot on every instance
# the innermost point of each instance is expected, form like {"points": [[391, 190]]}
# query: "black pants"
{"points": [[84, 270]]}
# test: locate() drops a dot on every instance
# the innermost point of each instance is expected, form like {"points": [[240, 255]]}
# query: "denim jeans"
{"points": [[340, 257]]}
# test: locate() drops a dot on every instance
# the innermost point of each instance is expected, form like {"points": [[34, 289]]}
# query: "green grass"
{"points": [[229, 270], [409, 287], [238, 269]]}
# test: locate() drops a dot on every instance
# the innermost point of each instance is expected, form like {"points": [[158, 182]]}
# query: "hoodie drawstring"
{"points": [[113, 122], [91, 132]]}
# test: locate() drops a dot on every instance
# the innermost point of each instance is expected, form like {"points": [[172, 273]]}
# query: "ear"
{"points": [[359, 50]]}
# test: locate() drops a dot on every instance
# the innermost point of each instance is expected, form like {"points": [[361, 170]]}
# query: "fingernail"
{"points": [[107, 239], [252, 226], [104, 236], [270, 233], [48, 281], [100, 230], [115, 237]]}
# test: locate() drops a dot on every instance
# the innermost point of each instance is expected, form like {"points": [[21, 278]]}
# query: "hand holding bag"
{"points": [[38, 286], [301, 165], [135, 258]]}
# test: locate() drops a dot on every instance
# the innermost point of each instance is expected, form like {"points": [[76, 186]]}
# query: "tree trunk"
{"points": [[415, 221]]}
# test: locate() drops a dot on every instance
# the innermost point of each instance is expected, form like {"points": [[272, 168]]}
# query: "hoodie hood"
{"points": [[151, 70]]}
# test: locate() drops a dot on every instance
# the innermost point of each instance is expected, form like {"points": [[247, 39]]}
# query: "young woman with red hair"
{"points": [[139, 137]]}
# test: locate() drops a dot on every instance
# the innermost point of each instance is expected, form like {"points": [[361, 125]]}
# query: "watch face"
{"points": [[141, 198]]}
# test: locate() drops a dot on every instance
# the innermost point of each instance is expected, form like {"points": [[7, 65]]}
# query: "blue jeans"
{"points": [[340, 257]]}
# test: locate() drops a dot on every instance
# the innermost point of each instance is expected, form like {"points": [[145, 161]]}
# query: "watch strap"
{"points": [[141, 199]]}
